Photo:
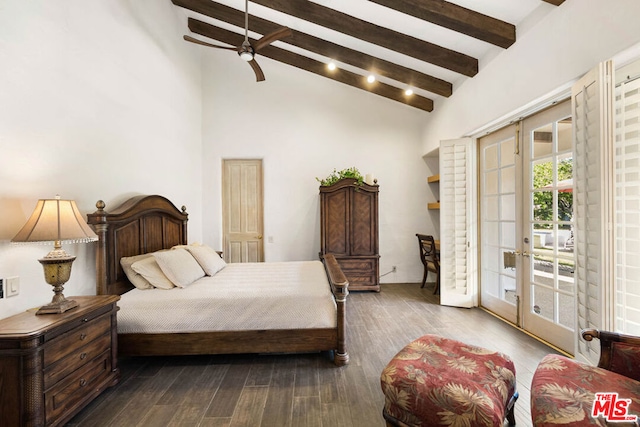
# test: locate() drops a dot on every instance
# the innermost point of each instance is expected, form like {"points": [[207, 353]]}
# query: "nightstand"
{"points": [[53, 365]]}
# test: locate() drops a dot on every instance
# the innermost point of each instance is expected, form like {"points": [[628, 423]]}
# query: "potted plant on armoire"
{"points": [[349, 227]]}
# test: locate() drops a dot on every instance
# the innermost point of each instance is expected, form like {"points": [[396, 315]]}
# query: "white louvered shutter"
{"points": [[458, 219], [593, 139], [627, 207]]}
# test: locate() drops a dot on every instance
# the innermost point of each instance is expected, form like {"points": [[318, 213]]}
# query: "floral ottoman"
{"points": [[435, 381]]}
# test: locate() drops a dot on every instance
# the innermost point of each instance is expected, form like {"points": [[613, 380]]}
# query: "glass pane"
{"points": [[542, 141], [508, 235], [491, 259], [491, 182], [542, 270], [565, 135], [509, 289], [491, 283], [565, 206], [543, 302], [491, 208], [507, 153], [542, 236], [542, 173], [508, 207], [508, 180], [543, 206], [491, 233], [567, 309], [491, 157]]}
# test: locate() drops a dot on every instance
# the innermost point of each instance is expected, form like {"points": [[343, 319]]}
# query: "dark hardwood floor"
{"points": [[307, 389]]}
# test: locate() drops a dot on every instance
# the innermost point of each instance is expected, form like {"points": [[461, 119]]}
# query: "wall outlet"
{"points": [[12, 286], [394, 269]]}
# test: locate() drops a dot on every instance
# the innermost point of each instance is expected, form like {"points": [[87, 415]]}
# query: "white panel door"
{"points": [[458, 222], [242, 207]]}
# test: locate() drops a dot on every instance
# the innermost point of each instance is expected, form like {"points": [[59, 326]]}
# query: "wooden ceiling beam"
{"points": [[319, 68], [456, 18], [554, 2], [372, 33], [316, 45]]}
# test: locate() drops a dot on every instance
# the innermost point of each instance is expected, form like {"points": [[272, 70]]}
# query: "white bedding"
{"points": [[247, 296]]}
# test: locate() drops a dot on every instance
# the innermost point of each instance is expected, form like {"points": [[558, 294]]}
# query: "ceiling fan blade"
{"points": [[273, 36], [257, 70], [200, 42]]}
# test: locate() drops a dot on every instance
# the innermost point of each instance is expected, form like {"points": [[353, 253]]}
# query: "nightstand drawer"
{"points": [[69, 393], [75, 360], [74, 339]]}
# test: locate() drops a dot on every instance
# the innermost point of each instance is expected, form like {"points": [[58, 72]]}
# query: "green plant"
{"points": [[336, 176]]}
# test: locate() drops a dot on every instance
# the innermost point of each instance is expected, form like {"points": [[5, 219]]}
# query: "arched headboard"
{"points": [[140, 225]]}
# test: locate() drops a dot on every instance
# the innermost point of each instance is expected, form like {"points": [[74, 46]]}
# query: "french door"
{"points": [[526, 225], [548, 286]]}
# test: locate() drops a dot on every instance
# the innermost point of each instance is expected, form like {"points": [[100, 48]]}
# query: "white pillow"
{"points": [[135, 278], [150, 270], [208, 259], [179, 266]]}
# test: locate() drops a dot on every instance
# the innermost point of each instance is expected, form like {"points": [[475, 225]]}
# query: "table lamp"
{"points": [[57, 221]]}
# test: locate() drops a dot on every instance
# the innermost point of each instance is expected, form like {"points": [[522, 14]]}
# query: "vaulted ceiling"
{"points": [[427, 46]]}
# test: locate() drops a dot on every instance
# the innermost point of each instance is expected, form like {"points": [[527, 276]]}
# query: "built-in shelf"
{"points": [[432, 180]]}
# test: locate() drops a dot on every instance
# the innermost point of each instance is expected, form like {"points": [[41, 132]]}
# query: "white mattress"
{"points": [[247, 296]]}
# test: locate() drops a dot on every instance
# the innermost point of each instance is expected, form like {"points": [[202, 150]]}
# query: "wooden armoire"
{"points": [[349, 230]]}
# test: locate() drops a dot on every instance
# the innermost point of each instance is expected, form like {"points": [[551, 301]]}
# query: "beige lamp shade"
{"points": [[56, 220]]}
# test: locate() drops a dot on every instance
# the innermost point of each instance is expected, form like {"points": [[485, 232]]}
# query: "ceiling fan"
{"points": [[246, 50]]}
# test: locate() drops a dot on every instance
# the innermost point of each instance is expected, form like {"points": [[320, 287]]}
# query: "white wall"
{"points": [[93, 95], [303, 126], [567, 43]]}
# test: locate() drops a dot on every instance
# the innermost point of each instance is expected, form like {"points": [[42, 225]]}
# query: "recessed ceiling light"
{"points": [[331, 66], [371, 78], [408, 92]]}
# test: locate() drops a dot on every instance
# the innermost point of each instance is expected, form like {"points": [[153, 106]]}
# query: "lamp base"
{"points": [[57, 307], [57, 270]]}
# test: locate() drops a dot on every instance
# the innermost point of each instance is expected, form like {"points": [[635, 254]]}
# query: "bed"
{"points": [[153, 225]]}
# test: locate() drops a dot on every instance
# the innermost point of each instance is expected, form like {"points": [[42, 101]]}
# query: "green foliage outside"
{"points": [[336, 176], [543, 200]]}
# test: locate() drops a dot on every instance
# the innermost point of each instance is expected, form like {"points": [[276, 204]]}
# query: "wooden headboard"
{"points": [[140, 225]]}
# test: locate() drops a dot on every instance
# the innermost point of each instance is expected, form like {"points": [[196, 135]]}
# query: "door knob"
{"points": [[259, 236]]}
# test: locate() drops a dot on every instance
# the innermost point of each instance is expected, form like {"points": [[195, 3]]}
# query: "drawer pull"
{"points": [[83, 336], [83, 356], [83, 382]]}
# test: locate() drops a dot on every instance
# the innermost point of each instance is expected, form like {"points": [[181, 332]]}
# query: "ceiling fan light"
{"points": [[246, 55]]}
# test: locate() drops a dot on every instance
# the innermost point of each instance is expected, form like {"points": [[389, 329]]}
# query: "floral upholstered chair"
{"points": [[563, 391]]}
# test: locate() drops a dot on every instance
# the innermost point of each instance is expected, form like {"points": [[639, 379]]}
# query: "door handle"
{"points": [[259, 236]]}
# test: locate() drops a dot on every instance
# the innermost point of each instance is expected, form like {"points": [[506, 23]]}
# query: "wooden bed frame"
{"points": [[145, 224]]}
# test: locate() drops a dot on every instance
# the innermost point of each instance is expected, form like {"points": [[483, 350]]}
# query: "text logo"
{"points": [[612, 408]]}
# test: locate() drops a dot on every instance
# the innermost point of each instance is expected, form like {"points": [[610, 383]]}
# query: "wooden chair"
{"points": [[429, 258]]}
